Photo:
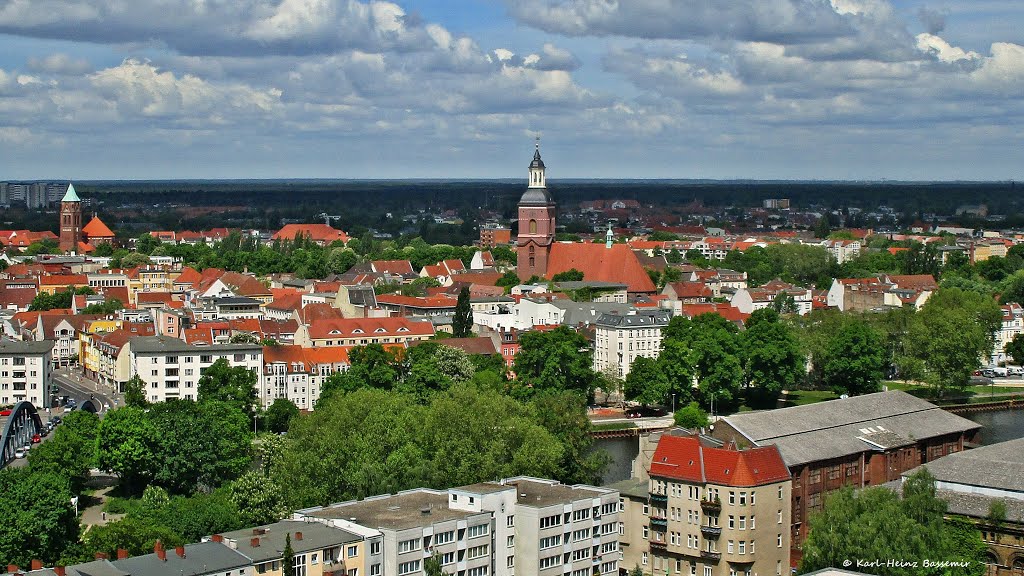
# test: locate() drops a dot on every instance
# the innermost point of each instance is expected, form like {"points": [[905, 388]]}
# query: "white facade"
{"points": [[25, 372], [170, 368], [619, 340]]}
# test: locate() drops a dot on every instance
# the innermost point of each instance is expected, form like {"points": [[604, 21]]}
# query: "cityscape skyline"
{"points": [[787, 89]]}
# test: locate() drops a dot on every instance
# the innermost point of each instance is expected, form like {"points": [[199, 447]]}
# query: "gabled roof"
{"points": [[188, 275], [685, 458], [597, 262], [376, 327], [97, 229], [392, 266]]}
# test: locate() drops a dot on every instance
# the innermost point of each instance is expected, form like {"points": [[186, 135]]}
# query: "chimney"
{"points": [[12, 568], [162, 554], [122, 553], [218, 538], [255, 542], [59, 570], [298, 535], [37, 565], [101, 556], [158, 546], [180, 551]]}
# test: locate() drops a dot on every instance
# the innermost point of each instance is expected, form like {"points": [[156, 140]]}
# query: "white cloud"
{"points": [[61, 64]]}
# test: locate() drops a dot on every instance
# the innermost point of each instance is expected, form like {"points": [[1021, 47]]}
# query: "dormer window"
{"points": [[403, 329], [357, 331], [380, 331]]}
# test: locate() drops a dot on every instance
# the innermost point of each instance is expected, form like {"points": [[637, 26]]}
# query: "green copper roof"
{"points": [[71, 195]]}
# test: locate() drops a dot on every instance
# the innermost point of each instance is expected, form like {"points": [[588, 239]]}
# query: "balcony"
{"points": [[709, 555], [711, 531], [659, 524], [659, 499], [711, 506], [660, 544]]}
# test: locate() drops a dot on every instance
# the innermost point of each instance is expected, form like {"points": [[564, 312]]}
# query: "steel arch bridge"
{"points": [[22, 424]]}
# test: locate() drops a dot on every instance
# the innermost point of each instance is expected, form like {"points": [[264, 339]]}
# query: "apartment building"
{"points": [[319, 548], [522, 525], [298, 373], [171, 368], [619, 339], [25, 372]]}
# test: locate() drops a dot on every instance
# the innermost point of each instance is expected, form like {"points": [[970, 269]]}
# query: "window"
{"points": [[510, 521], [408, 567], [481, 571], [477, 552], [510, 561], [743, 498], [409, 546], [743, 523], [780, 491], [732, 522], [375, 548], [646, 530], [732, 497], [780, 517], [533, 226], [353, 551], [510, 541], [743, 547], [444, 537], [447, 558], [556, 520], [729, 547], [550, 541], [557, 559], [643, 558], [479, 530]]}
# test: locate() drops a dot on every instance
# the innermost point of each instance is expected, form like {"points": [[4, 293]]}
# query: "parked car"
{"points": [[644, 412], [1015, 370], [19, 453], [981, 381], [55, 420], [5, 412], [36, 438], [988, 373]]}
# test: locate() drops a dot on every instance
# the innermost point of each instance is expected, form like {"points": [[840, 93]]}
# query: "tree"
{"points": [[854, 359], [555, 360], [71, 452], [244, 338], [39, 520], [127, 446], [107, 307], [199, 444], [462, 323], [876, 523], [950, 335], [134, 259], [432, 566], [135, 392], [1015, 349], [288, 556], [714, 352], [564, 414], [691, 416], [280, 414], [570, 275], [137, 535], [647, 383], [822, 229], [772, 360], [258, 499], [233, 384], [508, 280]]}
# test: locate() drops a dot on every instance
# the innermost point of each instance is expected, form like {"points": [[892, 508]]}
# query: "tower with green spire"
{"points": [[70, 220]]}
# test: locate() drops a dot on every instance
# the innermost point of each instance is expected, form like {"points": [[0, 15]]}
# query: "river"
{"points": [[999, 426]]}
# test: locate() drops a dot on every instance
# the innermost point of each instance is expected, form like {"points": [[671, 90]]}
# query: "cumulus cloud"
{"points": [[555, 58], [934, 22]]}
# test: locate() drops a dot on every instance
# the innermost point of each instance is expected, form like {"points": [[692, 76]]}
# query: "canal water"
{"points": [[999, 426]]}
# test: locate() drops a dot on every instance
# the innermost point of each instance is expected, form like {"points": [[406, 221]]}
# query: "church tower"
{"points": [[70, 221], [536, 223]]}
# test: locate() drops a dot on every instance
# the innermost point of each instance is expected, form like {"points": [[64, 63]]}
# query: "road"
{"points": [[73, 384]]}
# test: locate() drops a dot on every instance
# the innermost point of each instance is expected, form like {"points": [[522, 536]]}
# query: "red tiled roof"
{"points": [[393, 266], [914, 281], [97, 229], [684, 458], [436, 271], [615, 264], [315, 232], [153, 297], [482, 278], [724, 310], [417, 301], [691, 290], [188, 275], [347, 328], [319, 311], [292, 301]]}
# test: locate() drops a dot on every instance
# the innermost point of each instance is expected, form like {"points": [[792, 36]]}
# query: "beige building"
{"points": [[25, 372], [620, 339], [171, 368], [319, 548], [707, 510]]}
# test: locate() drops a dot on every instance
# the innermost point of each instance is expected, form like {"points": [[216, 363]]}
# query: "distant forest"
{"points": [[364, 205]]}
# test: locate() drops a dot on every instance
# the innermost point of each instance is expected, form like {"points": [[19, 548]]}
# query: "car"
{"points": [[1015, 370], [45, 431], [977, 373], [644, 412], [36, 438], [19, 453], [988, 373], [27, 447], [981, 381], [55, 420], [5, 412]]}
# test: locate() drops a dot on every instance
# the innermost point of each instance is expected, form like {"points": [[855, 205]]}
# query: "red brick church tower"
{"points": [[70, 221], [536, 223]]}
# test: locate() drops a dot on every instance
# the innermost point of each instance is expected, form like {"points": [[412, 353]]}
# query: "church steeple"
{"points": [[537, 168]]}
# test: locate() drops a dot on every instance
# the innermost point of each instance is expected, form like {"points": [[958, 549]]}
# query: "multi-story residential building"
{"points": [[516, 526], [717, 511], [298, 373], [361, 331], [25, 372], [620, 339], [860, 441], [107, 279], [843, 250], [170, 368], [1012, 325], [495, 235], [747, 300], [318, 547]]}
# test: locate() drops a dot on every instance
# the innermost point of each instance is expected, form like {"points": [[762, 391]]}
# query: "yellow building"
{"points": [[319, 548]]}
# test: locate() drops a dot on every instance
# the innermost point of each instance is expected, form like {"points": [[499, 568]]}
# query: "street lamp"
{"points": [[673, 402]]}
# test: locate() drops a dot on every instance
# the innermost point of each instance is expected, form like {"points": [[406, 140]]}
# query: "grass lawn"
{"points": [[801, 397], [970, 393]]}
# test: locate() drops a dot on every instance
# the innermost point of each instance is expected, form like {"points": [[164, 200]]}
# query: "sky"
{"points": [[460, 89]]}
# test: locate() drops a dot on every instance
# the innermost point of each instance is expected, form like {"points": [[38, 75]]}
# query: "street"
{"points": [[72, 384]]}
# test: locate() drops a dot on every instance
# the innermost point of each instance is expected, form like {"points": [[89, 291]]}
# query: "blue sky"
{"points": [[795, 89]]}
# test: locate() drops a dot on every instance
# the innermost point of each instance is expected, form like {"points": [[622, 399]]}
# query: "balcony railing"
{"points": [[709, 555], [658, 544], [712, 531], [659, 499], [660, 524], [712, 506]]}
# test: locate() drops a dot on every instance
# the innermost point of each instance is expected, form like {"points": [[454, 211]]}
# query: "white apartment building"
{"points": [[527, 526], [171, 368], [620, 339], [1012, 324], [25, 372]]}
